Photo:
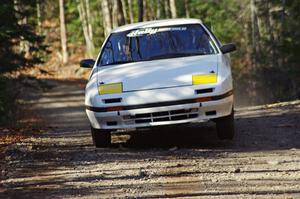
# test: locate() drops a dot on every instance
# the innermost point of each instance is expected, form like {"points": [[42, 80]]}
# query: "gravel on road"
{"points": [[189, 161]]}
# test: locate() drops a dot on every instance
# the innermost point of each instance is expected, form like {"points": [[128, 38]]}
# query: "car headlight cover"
{"points": [[110, 88], [204, 78]]}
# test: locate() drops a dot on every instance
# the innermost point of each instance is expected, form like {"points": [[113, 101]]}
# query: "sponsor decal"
{"points": [[150, 31]]}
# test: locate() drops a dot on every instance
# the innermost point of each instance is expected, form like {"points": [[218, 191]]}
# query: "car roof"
{"points": [[156, 23]]}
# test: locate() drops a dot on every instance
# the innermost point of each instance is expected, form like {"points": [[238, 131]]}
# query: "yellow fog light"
{"points": [[110, 88], [204, 79]]}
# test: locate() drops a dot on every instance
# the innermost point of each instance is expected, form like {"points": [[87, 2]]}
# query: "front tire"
{"points": [[101, 137], [225, 127]]}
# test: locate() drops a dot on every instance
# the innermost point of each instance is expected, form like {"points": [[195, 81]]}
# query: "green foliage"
{"points": [[97, 24], [74, 30], [16, 33], [275, 74], [278, 55]]}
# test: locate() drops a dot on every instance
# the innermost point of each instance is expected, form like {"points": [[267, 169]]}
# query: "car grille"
{"points": [[173, 115]]}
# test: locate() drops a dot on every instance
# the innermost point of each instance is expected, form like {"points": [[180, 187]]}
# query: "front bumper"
{"points": [[174, 112]]}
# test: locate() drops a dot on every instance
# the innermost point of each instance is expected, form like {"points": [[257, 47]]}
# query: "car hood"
{"points": [[155, 74]]}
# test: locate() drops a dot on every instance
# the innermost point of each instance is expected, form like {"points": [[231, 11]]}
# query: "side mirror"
{"points": [[87, 63], [227, 48]]}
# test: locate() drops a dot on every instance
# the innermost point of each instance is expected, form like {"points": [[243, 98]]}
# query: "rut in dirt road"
{"points": [[187, 161]]}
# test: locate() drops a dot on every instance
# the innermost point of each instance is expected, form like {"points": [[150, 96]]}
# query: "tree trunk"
{"points": [[63, 34], [85, 27], [187, 8], [124, 9], [145, 11], [167, 8], [150, 10], [282, 32], [173, 9], [130, 11], [269, 27], [141, 10], [158, 9], [88, 18], [117, 14], [121, 18], [253, 32], [106, 17], [38, 16], [115, 10]]}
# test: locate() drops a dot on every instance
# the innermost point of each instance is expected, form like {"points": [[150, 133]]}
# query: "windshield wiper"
{"points": [[174, 55]]}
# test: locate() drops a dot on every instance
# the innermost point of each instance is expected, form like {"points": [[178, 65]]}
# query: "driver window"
{"points": [[107, 55]]}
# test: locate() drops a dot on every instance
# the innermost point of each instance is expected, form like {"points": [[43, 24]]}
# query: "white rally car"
{"points": [[163, 72]]}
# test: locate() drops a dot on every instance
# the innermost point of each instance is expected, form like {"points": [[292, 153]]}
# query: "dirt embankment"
{"points": [[188, 161]]}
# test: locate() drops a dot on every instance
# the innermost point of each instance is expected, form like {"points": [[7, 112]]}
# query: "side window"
{"points": [[208, 45], [134, 48], [218, 42], [123, 49], [107, 54]]}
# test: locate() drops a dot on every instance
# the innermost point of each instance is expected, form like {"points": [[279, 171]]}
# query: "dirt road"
{"points": [[262, 162]]}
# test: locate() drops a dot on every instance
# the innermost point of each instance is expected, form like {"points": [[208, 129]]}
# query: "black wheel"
{"points": [[101, 137], [225, 127]]}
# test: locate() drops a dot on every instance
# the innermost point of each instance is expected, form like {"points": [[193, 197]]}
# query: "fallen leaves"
{"points": [[14, 135], [11, 136]]}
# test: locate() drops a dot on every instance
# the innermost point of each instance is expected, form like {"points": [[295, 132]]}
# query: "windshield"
{"points": [[156, 43]]}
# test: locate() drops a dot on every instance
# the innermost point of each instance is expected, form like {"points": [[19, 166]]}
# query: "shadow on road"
{"points": [[181, 136], [271, 132], [259, 128], [186, 160]]}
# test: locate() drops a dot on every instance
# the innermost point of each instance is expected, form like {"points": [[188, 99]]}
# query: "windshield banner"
{"points": [[150, 31]]}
